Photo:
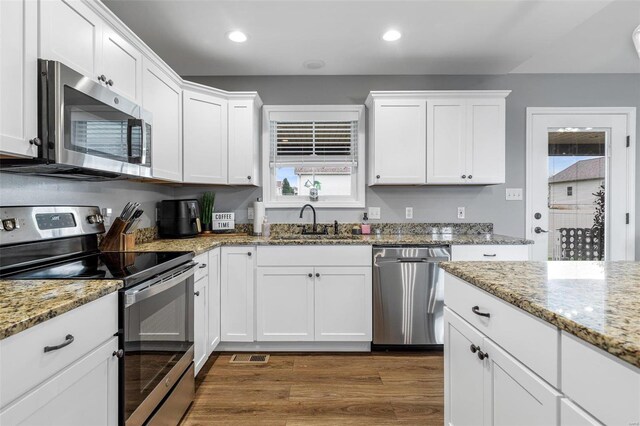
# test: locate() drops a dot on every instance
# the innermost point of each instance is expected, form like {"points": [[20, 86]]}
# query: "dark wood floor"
{"points": [[322, 389]]}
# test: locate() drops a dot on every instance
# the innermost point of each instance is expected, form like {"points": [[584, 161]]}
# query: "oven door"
{"points": [[157, 325], [93, 127]]}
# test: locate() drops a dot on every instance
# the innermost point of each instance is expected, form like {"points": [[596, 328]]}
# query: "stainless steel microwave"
{"points": [[85, 129]]}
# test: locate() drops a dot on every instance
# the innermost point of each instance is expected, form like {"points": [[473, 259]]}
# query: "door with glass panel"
{"points": [[580, 187]]}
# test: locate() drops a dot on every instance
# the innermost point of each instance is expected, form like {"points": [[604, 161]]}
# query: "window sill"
{"points": [[317, 204]]}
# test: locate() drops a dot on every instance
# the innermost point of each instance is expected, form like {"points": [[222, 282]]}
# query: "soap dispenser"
{"points": [[365, 226]]}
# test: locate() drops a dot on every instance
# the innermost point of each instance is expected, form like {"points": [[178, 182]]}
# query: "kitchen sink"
{"points": [[311, 237]]}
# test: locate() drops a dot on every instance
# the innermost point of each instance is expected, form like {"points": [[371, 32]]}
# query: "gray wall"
{"points": [[436, 204]]}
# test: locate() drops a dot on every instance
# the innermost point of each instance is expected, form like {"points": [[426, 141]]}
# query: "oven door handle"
{"points": [[145, 290]]}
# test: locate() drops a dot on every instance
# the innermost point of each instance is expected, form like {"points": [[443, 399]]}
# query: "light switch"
{"points": [[460, 212], [513, 194], [374, 213], [250, 213], [408, 213]]}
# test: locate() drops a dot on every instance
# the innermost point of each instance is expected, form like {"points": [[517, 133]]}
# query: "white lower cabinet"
{"points": [[200, 336], [486, 386], [237, 269], [572, 415], [489, 252], [285, 304], [343, 304], [213, 329], [85, 393]]}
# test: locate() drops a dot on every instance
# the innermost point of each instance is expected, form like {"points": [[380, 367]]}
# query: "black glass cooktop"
{"points": [[131, 267]]}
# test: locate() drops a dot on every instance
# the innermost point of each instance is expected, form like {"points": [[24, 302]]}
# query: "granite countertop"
{"points": [[25, 303], [599, 302], [204, 243]]}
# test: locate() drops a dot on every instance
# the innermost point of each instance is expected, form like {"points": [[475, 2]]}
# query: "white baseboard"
{"points": [[294, 347]]}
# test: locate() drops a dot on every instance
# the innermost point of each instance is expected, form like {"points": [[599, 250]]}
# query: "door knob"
{"points": [[537, 216], [539, 230]]}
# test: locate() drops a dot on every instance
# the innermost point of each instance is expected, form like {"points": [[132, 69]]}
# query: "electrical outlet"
{"points": [[374, 213], [250, 213], [513, 194], [408, 213], [460, 212]]}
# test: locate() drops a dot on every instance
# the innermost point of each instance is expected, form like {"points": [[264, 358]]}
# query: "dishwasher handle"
{"points": [[412, 260]]}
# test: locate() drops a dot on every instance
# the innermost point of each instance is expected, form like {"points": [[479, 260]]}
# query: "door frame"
{"points": [[630, 113]]}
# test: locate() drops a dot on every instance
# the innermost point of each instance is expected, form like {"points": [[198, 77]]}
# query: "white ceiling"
{"points": [[438, 37]]}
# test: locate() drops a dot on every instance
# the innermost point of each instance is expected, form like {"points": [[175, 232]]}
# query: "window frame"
{"points": [[570, 191], [310, 113]]}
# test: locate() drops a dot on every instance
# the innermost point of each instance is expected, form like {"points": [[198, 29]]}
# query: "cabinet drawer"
{"points": [[24, 362], [202, 270], [529, 339], [490, 252], [606, 387], [314, 256], [572, 415]]}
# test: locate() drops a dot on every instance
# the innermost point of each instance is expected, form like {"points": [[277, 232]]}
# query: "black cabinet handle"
{"points": [[482, 355], [476, 310], [119, 353], [490, 255], [197, 293], [474, 348], [202, 265], [67, 341], [310, 275], [317, 274]]}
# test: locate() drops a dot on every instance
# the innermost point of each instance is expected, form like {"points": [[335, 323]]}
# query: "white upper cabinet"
{"points": [[205, 137], [446, 141], [18, 77], [244, 140], [397, 147], [70, 32], [437, 137], [466, 141], [162, 96], [121, 65]]}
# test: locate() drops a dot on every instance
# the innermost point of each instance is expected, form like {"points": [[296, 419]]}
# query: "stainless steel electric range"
{"points": [[156, 373]]}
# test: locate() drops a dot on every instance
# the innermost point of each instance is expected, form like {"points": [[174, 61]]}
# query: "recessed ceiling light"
{"points": [[237, 36], [313, 64], [391, 35]]}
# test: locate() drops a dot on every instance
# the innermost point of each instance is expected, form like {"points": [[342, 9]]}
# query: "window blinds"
{"points": [[314, 142]]}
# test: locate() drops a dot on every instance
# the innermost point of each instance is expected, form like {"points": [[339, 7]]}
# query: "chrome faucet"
{"points": [[315, 225]]}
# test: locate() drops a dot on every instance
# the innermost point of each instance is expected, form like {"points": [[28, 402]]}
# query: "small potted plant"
{"points": [[206, 211]]}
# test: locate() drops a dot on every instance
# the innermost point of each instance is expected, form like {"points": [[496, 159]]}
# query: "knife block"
{"points": [[113, 241], [128, 242]]}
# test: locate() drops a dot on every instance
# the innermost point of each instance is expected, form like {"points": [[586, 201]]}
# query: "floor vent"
{"points": [[249, 359]]}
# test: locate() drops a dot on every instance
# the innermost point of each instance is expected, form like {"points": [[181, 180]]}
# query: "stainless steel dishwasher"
{"points": [[408, 296]]}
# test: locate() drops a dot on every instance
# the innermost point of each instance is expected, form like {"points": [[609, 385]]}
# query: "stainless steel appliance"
{"points": [[155, 306], [85, 131], [179, 219], [408, 296]]}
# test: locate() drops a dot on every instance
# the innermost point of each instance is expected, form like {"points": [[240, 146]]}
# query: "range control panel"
{"points": [[37, 223]]}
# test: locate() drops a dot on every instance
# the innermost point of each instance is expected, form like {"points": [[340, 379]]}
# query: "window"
{"points": [[313, 150], [569, 191]]}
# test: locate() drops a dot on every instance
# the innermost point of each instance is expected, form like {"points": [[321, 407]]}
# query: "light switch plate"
{"points": [[250, 213], [408, 213], [374, 213], [460, 212], [513, 194]]}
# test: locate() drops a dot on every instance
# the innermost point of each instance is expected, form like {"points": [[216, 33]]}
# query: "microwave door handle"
{"points": [[131, 123], [145, 291], [143, 150]]}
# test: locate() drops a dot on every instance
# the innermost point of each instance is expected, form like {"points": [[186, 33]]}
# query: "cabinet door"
{"points": [[161, 95], [514, 395], [399, 142], [572, 415], [243, 143], [85, 393], [200, 322], [205, 138], [122, 64], [285, 304], [18, 77], [463, 373], [72, 34], [343, 304], [214, 301], [446, 141], [485, 146], [236, 294]]}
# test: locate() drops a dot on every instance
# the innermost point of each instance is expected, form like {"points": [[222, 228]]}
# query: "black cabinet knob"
{"points": [[102, 78], [249, 177], [317, 275], [110, 82], [474, 348], [470, 176], [482, 355], [463, 176], [197, 293], [249, 253], [377, 176], [310, 275], [35, 141], [119, 353]]}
